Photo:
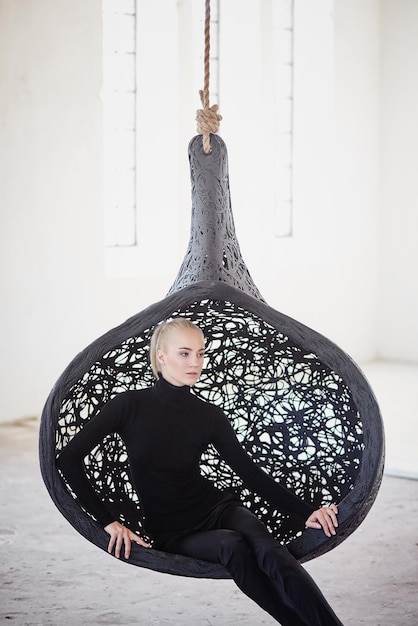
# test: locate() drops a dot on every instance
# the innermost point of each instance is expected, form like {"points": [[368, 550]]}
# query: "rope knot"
{"points": [[208, 120]]}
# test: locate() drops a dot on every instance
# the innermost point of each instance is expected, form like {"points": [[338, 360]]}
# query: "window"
{"points": [[153, 70], [119, 112]]}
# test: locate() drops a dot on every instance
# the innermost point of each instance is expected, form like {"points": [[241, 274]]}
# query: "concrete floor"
{"points": [[50, 575]]}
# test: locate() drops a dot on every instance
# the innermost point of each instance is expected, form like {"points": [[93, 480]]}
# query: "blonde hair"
{"points": [[160, 335]]}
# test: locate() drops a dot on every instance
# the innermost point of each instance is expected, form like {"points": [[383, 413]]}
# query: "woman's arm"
{"points": [[71, 463], [228, 446], [71, 459]]}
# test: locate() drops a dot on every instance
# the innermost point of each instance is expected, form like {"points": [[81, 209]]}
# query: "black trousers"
{"points": [[263, 569]]}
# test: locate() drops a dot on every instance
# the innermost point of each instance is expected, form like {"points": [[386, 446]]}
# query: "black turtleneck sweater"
{"points": [[166, 429]]}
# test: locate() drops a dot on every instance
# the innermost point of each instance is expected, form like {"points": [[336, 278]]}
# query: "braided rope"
{"points": [[207, 118], [205, 95]]}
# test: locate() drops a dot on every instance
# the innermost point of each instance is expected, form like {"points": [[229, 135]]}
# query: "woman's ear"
{"points": [[160, 356]]}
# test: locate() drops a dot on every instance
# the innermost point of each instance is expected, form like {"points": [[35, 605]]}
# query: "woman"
{"points": [[166, 428]]}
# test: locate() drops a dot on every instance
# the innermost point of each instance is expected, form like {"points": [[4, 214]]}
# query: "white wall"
{"points": [[398, 280], [326, 275], [55, 296]]}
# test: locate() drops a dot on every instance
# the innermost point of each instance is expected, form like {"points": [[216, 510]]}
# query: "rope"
{"points": [[207, 118]]}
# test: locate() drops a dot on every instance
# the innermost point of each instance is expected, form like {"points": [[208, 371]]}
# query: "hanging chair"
{"points": [[299, 405]]}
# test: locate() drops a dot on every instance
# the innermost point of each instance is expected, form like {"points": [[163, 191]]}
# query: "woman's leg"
{"points": [[231, 550], [293, 585]]}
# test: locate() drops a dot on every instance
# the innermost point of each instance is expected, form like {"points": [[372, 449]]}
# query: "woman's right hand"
{"points": [[119, 536]]}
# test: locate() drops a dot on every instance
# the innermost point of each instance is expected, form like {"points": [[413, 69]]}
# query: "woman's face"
{"points": [[181, 357]]}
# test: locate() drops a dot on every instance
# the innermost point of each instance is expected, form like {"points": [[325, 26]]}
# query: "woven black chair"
{"points": [[299, 405]]}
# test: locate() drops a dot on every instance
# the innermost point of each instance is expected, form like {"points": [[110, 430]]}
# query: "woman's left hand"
{"points": [[325, 518]]}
